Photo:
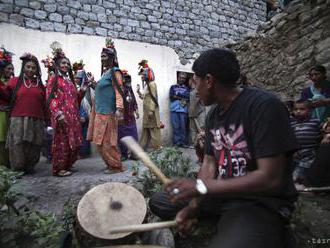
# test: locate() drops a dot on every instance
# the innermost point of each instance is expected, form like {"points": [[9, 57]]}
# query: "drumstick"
{"points": [[130, 142], [197, 125], [143, 227], [315, 189]]}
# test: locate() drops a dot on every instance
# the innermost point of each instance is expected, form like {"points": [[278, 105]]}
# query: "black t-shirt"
{"points": [[256, 125]]}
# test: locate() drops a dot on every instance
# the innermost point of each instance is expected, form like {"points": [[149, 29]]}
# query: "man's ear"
{"points": [[210, 81]]}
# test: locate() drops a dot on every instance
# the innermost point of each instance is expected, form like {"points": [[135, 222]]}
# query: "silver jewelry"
{"points": [[31, 84], [176, 191]]}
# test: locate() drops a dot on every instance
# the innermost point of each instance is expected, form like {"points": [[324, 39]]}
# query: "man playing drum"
{"points": [[245, 179]]}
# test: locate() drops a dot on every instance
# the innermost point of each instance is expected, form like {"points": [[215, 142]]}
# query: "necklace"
{"points": [[31, 84]]}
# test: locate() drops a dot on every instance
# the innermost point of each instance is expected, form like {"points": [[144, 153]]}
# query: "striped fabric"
{"points": [[307, 132]]}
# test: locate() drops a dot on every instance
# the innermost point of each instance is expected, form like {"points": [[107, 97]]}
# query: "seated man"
{"points": [[246, 175]]}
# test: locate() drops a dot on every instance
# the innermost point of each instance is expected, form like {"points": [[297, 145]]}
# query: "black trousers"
{"points": [[241, 224], [319, 173]]}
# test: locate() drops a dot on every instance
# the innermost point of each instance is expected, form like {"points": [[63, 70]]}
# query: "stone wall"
{"points": [[279, 57], [188, 26]]}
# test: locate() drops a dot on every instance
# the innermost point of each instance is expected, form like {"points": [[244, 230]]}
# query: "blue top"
{"points": [[179, 105], [312, 94], [105, 96]]}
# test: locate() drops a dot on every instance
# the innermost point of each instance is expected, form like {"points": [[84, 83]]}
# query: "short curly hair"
{"points": [[220, 63]]}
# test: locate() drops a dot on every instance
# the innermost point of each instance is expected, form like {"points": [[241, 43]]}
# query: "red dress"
{"points": [[67, 137]]}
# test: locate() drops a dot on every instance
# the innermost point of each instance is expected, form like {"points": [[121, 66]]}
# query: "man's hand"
{"points": [[186, 220], [326, 139], [321, 102], [181, 189]]}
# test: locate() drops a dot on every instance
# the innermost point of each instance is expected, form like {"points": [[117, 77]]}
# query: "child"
{"points": [[307, 131]]}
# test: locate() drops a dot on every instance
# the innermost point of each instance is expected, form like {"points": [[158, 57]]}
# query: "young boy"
{"points": [[307, 131]]}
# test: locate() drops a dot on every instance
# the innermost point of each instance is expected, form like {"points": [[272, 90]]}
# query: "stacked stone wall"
{"points": [[278, 57], [188, 26]]}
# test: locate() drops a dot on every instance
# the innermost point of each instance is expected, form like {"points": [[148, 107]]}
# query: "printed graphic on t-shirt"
{"points": [[231, 151]]}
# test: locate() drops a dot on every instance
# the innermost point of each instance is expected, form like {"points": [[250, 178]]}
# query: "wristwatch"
{"points": [[200, 186]]}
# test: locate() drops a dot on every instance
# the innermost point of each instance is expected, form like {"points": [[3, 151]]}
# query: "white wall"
{"points": [[164, 61]]}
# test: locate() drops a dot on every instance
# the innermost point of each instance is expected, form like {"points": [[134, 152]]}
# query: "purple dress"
{"points": [[127, 127]]}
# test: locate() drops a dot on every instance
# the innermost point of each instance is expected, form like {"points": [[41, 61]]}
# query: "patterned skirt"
{"points": [[25, 129], [3, 126], [103, 129]]}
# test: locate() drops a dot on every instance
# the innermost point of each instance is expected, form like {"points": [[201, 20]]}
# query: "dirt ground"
{"points": [[311, 222]]}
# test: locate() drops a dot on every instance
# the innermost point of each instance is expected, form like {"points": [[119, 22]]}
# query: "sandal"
{"points": [[64, 173]]}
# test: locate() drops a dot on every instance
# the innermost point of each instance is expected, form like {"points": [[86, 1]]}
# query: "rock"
{"points": [[79, 21], [88, 30], [32, 23], [35, 5], [59, 27], [155, 26], [92, 17], [83, 15], [92, 24], [6, 8], [136, 10], [50, 7], [74, 4], [87, 7], [102, 18], [152, 19], [54, 17], [17, 19], [23, 3], [40, 14], [133, 23], [68, 19], [47, 26], [323, 56], [27, 12], [109, 5], [98, 9], [63, 10], [4, 17], [74, 28], [101, 31]]}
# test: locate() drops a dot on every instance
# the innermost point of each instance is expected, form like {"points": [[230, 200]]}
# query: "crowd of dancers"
{"points": [[72, 109]]}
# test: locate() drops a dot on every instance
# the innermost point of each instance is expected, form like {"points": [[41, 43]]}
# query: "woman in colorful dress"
{"points": [[6, 72], [108, 109], [80, 77], [127, 126], [63, 100], [26, 94], [151, 123]]}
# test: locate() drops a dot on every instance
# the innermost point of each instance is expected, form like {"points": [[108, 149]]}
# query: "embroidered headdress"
{"points": [[110, 50], [78, 65], [57, 53], [5, 57], [145, 70]]}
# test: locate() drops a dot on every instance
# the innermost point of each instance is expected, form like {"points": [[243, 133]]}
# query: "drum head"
{"points": [[110, 205]]}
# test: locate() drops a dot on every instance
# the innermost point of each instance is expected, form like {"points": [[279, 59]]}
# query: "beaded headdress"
{"points": [[110, 49], [78, 65], [57, 53], [5, 57], [145, 70]]}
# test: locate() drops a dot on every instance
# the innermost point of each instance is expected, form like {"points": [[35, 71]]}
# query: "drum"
{"points": [[110, 205]]}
